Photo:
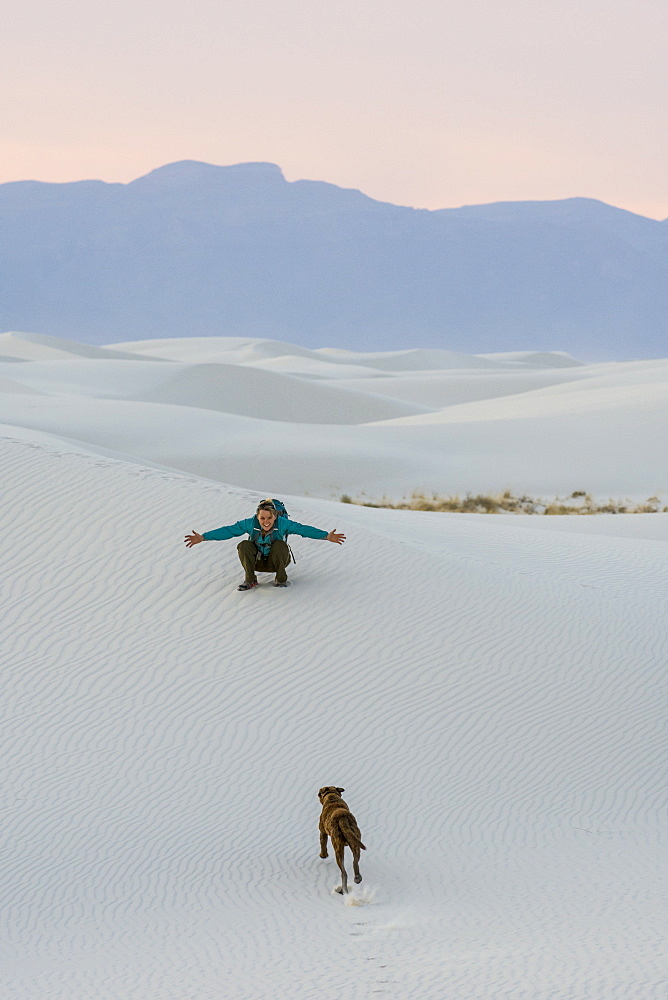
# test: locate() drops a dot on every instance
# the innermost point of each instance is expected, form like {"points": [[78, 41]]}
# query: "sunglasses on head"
{"points": [[266, 506]]}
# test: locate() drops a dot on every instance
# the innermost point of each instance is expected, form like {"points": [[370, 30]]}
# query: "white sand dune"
{"points": [[438, 389], [222, 414], [600, 429], [8, 385], [492, 699], [41, 347], [247, 350], [489, 690], [319, 368], [418, 359], [224, 446], [236, 389], [626, 386], [241, 350], [534, 359]]}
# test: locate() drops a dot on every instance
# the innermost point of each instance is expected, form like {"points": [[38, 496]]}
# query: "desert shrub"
{"points": [[507, 502]]}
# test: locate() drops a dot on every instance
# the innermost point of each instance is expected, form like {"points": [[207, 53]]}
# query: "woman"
{"points": [[266, 550]]}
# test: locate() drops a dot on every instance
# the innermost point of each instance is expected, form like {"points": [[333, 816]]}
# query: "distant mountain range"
{"points": [[193, 249]]}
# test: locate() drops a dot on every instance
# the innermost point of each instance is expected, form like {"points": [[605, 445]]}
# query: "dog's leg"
{"points": [[323, 843], [338, 851], [356, 864]]}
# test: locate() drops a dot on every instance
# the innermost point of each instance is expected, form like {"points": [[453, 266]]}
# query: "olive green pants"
{"points": [[252, 562]]}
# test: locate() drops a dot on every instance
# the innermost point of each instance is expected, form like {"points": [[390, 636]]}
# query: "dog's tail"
{"points": [[350, 831]]}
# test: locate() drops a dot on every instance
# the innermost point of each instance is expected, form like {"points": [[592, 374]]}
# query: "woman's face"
{"points": [[267, 519]]}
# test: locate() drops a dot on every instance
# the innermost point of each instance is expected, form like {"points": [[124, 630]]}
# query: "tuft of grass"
{"points": [[578, 502]]}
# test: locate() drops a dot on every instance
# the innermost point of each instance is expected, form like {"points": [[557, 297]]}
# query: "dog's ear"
{"points": [[339, 790], [321, 793]]}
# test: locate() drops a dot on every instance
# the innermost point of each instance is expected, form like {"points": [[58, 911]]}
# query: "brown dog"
{"points": [[337, 822]]}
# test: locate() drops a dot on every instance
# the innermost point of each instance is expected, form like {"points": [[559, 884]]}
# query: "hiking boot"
{"points": [[284, 583], [246, 585]]}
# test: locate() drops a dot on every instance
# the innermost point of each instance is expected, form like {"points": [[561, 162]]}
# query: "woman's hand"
{"points": [[335, 537], [193, 539]]}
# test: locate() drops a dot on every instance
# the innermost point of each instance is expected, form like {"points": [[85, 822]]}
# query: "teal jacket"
{"points": [[251, 527]]}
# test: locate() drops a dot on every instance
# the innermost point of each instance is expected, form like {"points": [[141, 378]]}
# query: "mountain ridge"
{"points": [[195, 249]]}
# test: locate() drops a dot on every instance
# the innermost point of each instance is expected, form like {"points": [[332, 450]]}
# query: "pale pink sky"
{"points": [[431, 103]]}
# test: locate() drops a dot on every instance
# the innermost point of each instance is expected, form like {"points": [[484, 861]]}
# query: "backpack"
{"points": [[278, 504]]}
